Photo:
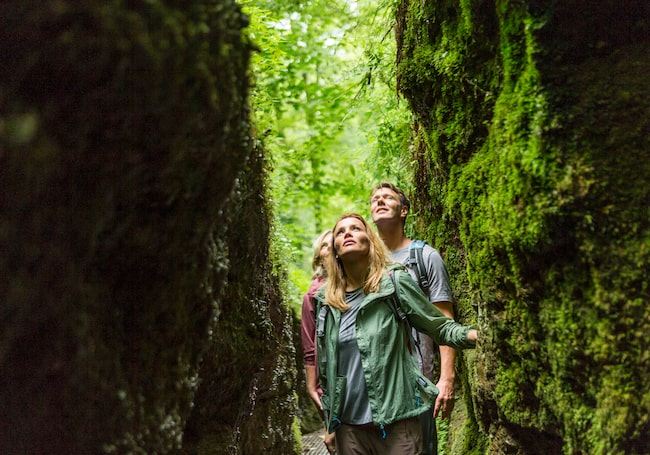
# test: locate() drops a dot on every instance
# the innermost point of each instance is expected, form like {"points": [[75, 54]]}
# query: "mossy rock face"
{"points": [[246, 397], [125, 147], [533, 157]]}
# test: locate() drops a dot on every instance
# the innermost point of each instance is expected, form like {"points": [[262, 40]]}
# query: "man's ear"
{"points": [[403, 212]]}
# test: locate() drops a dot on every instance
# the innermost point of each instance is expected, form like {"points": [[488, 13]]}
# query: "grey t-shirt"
{"points": [[355, 404], [439, 291], [439, 287]]}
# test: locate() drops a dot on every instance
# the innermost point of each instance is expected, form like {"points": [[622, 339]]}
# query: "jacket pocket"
{"points": [[425, 389]]}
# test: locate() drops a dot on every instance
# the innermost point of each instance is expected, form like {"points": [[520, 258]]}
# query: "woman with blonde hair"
{"points": [[321, 249], [373, 392]]}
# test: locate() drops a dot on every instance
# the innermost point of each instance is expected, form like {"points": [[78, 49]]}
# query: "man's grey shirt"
{"points": [[439, 291]]}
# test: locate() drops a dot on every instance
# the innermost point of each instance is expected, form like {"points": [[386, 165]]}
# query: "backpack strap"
{"points": [[321, 319], [394, 301], [396, 305], [416, 259]]}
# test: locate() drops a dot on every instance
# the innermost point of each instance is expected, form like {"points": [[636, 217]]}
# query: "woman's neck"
{"points": [[355, 274]]}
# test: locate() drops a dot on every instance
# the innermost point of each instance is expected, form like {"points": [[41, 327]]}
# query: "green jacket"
{"points": [[397, 389]]}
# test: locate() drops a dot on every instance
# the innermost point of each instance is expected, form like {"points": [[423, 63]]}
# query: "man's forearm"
{"points": [[445, 402], [447, 363]]}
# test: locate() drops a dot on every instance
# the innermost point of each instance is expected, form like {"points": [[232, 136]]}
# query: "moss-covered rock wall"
{"points": [[246, 399], [134, 234], [533, 151]]}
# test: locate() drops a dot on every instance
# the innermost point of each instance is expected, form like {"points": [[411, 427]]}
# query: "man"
{"points": [[389, 208]]}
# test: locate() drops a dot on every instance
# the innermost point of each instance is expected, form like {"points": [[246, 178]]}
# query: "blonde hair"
{"points": [[377, 261], [317, 265]]}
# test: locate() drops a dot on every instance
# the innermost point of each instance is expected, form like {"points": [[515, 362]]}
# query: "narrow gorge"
{"points": [[143, 305]]}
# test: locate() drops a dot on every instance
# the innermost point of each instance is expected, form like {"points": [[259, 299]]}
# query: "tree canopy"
{"points": [[325, 103]]}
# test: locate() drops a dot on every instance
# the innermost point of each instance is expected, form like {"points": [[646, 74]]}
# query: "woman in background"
{"points": [[321, 247], [308, 333]]}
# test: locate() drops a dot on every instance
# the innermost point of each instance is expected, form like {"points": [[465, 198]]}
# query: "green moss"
{"points": [[297, 434], [532, 152]]}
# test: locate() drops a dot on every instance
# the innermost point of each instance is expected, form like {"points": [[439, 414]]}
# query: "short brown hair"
{"points": [[403, 200]]}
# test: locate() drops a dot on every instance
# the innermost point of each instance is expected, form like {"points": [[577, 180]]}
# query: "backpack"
{"points": [[416, 262]]}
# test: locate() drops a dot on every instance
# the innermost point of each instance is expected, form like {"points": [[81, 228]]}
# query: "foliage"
{"points": [[324, 101]]}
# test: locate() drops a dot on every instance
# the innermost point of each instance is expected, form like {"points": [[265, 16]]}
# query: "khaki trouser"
{"points": [[402, 438]]}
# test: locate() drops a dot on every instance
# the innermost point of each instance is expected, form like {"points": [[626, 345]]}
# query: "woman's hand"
{"points": [[330, 442]]}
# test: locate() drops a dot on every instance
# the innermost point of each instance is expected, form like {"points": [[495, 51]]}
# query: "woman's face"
{"points": [[351, 238], [325, 246]]}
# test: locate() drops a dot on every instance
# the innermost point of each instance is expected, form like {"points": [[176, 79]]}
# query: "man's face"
{"points": [[385, 206]]}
